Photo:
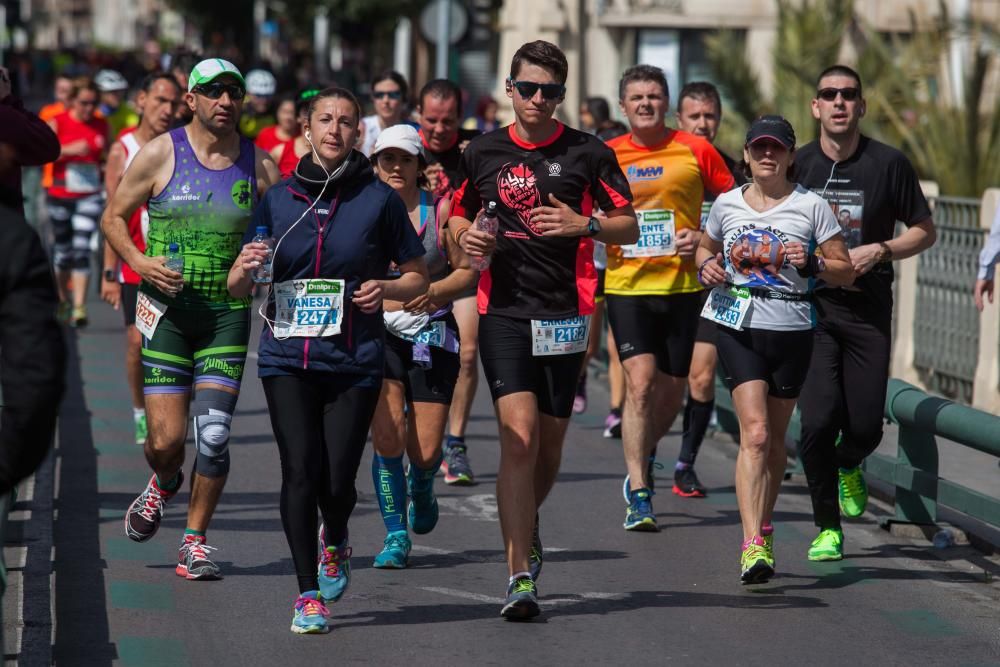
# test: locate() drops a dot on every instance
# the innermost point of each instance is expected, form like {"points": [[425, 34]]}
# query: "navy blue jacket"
{"points": [[358, 227]]}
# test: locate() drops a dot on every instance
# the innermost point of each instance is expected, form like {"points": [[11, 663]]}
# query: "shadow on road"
{"points": [[80, 592]]}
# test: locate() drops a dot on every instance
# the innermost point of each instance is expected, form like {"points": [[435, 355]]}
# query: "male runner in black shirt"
{"points": [[870, 186], [536, 297]]}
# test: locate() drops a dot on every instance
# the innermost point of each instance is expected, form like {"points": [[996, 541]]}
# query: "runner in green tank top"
{"points": [[200, 184]]}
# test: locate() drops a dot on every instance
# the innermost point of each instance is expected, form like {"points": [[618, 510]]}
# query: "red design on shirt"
{"points": [[518, 189]]}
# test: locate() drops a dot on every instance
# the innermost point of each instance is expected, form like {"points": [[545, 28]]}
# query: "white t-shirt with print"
{"points": [[373, 128], [754, 250]]}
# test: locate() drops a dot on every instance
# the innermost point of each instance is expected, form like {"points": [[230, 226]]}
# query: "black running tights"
{"points": [[321, 431]]}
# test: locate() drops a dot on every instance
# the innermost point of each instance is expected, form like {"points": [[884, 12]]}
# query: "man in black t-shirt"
{"points": [[870, 186], [699, 112], [440, 108], [538, 292]]}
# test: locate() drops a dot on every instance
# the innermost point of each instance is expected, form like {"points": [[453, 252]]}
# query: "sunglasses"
{"points": [[527, 89], [830, 94], [216, 90], [391, 94]]}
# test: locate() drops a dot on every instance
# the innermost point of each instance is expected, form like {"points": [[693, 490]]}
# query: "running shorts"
{"points": [[423, 385], [74, 230], [194, 346], [780, 358], [505, 347], [599, 294], [661, 325], [706, 328], [129, 295]]}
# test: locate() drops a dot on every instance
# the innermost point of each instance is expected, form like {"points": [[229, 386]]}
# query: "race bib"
{"points": [[433, 334], [728, 306], [83, 177], [148, 312], [311, 308], [567, 336], [656, 235]]}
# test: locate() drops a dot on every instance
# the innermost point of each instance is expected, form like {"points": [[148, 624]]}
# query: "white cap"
{"points": [[402, 136], [261, 83], [208, 69], [108, 81]]}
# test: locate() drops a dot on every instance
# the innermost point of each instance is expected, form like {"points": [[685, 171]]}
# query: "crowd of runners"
{"points": [[361, 246]]}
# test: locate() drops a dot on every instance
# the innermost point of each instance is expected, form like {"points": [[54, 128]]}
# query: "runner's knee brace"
{"points": [[213, 413]]}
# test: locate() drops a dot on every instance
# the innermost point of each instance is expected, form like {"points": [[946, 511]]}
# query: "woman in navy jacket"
{"points": [[337, 228]]}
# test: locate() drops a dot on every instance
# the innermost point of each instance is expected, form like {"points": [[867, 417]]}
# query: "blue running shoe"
{"points": [[423, 511], [334, 568], [536, 556], [639, 515], [395, 551], [650, 470], [311, 615], [522, 600]]}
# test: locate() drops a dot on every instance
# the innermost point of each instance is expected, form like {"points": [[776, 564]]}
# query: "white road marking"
{"points": [[455, 593], [478, 507], [551, 602]]}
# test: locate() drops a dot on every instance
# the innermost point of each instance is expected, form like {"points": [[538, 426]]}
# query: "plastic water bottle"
{"points": [[175, 260], [262, 274], [943, 539], [487, 222]]}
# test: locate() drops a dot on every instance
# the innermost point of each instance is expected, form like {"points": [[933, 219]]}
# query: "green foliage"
{"points": [[953, 142]]}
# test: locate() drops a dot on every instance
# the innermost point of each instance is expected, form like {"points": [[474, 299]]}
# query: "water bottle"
{"points": [[943, 539], [262, 274], [487, 222], [175, 260]]}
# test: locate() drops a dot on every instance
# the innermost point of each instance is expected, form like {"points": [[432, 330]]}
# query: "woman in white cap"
{"points": [[759, 253], [421, 357]]}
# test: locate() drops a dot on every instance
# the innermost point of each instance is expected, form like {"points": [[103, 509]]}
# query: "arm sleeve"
{"points": [[715, 175], [908, 199], [466, 201], [32, 355], [991, 251], [31, 137], [401, 239], [713, 226], [610, 187], [825, 225]]}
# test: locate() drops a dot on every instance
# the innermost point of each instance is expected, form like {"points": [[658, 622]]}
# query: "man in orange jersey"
{"points": [[652, 286]]}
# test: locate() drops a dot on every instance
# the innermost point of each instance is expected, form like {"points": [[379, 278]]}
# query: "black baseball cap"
{"points": [[772, 127]]}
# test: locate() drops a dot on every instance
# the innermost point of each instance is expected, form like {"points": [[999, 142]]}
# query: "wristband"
{"points": [[885, 253], [458, 234], [814, 266]]}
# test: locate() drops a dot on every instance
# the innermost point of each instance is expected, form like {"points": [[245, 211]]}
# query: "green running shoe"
{"points": [[395, 551], [756, 562], [141, 431], [522, 600], [828, 545], [536, 556], [853, 491], [769, 545]]}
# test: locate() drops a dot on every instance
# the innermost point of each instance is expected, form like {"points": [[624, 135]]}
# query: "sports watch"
{"points": [[593, 226]]}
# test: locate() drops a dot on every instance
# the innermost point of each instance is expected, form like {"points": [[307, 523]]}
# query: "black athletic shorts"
{"points": [[706, 328], [599, 294], [505, 348], [130, 293], [780, 358], [423, 385], [664, 326]]}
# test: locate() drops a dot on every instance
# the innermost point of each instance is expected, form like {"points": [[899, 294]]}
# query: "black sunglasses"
{"points": [[830, 94], [527, 89], [391, 94], [215, 90]]}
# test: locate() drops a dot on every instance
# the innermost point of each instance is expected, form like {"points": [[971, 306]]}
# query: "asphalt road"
{"points": [[608, 597]]}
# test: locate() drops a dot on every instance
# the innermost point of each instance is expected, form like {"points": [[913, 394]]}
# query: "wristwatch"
{"points": [[884, 253], [109, 275], [593, 226]]}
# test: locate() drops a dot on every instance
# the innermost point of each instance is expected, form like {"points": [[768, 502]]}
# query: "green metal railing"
{"points": [[946, 327], [914, 471], [921, 418]]}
